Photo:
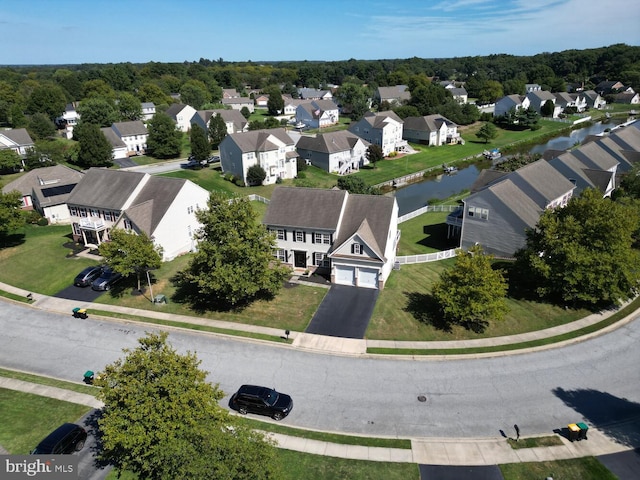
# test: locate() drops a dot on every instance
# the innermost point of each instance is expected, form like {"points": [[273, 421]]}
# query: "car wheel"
{"points": [[242, 410], [79, 445], [278, 416]]}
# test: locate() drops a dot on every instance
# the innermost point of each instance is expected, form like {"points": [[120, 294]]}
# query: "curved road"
{"points": [[596, 380]]}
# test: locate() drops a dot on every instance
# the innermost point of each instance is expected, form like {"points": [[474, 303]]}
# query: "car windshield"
{"points": [[271, 397]]}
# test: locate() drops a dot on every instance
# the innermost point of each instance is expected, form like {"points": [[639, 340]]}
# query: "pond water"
{"points": [[417, 195]]}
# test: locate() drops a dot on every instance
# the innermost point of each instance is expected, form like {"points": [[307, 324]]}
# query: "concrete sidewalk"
{"points": [[432, 451], [335, 345]]}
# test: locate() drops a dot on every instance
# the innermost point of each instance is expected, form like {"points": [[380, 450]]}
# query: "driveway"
{"points": [[345, 312], [622, 464], [80, 294], [447, 472]]}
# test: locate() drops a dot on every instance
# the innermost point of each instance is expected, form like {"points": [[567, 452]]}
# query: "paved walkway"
{"points": [[435, 451]]}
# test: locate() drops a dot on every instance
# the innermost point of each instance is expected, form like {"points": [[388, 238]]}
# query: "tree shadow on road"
{"points": [[618, 418]]}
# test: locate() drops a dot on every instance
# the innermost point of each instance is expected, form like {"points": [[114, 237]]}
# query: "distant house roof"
{"points": [[379, 120], [17, 136], [174, 109], [128, 129], [331, 142], [311, 93], [396, 92], [237, 101], [428, 123], [259, 140], [113, 138], [52, 185]]}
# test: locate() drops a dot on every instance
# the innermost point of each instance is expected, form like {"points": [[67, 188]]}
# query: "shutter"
{"points": [[304, 237], [313, 237], [285, 234], [331, 239], [293, 235], [353, 247]]}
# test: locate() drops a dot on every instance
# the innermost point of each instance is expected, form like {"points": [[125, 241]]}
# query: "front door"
{"points": [[300, 259]]}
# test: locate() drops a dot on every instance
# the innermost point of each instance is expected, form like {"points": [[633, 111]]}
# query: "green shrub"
{"points": [[43, 222], [301, 175]]}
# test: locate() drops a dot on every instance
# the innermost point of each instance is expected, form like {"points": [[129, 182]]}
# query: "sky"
{"points": [[139, 31]]}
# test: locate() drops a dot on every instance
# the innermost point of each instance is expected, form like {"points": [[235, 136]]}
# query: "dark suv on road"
{"points": [[67, 438], [261, 400]]}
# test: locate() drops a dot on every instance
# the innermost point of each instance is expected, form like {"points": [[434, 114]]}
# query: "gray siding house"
{"points": [[339, 152]]}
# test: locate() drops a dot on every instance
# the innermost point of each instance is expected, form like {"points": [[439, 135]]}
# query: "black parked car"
{"points": [[261, 400], [87, 276], [106, 279], [67, 438]]}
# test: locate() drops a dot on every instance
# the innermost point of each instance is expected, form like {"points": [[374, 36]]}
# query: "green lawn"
{"points": [[426, 233], [587, 468], [28, 418]]}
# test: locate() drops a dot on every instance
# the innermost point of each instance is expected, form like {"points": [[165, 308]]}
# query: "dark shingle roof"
{"points": [[102, 188], [127, 129], [331, 142], [18, 135], [258, 140], [305, 208]]}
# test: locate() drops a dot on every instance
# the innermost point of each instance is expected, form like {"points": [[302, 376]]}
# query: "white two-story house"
{"points": [[162, 207], [133, 134], [273, 149], [318, 113], [382, 128], [352, 238], [340, 152], [434, 130]]}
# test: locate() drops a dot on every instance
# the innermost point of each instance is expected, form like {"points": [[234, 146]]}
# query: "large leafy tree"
{"points": [[354, 99], [217, 130], [582, 254], [161, 420], [256, 175], [194, 93], [41, 127], [47, 98], [129, 107], [164, 139], [94, 149], [471, 292], [356, 185], [128, 253], [200, 146], [275, 104], [234, 264], [10, 161], [10, 213], [99, 111]]}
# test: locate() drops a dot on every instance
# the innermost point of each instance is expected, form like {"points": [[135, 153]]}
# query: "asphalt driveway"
{"points": [[80, 294], [345, 312]]}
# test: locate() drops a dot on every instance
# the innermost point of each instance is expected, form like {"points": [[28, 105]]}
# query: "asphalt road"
{"points": [[596, 381]]}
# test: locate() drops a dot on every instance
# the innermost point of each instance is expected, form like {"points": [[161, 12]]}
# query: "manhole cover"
{"points": [[422, 398]]}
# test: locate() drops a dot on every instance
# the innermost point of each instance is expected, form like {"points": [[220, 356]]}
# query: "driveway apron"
{"points": [[448, 472], [344, 312]]}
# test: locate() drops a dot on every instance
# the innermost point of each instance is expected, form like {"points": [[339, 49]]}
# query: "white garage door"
{"points": [[345, 275], [368, 277]]}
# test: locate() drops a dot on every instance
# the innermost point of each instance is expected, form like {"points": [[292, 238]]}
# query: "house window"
{"points": [[94, 213], [280, 254], [76, 229], [320, 259], [322, 238], [73, 211], [356, 248], [189, 230], [127, 224], [189, 210], [481, 213], [82, 211], [299, 236], [281, 235]]}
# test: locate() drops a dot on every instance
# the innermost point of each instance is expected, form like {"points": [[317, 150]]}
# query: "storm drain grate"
{"points": [[422, 398]]}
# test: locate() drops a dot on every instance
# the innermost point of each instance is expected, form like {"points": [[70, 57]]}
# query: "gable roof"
{"points": [[259, 140], [399, 92], [305, 208], [369, 217], [103, 188], [43, 178], [153, 201], [127, 129], [379, 120], [174, 109], [331, 142], [113, 138], [428, 123], [19, 136]]}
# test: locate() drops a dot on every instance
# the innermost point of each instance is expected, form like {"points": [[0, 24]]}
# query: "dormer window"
{"points": [[356, 248]]}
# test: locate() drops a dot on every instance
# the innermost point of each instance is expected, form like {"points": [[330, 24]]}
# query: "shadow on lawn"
{"points": [[436, 237], [424, 308], [11, 240]]}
